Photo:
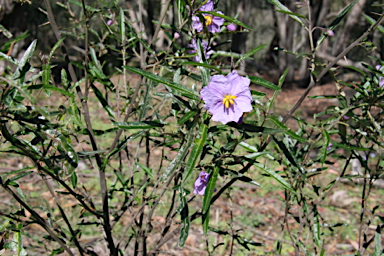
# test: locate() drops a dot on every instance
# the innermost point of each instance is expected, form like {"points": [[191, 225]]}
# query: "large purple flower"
{"points": [[227, 97], [201, 183], [212, 22], [206, 50]]}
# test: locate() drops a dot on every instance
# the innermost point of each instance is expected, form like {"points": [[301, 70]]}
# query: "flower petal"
{"points": [[207, 7]]}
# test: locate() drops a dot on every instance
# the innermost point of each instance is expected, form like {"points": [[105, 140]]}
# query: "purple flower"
{"points": [[201, 183], [381, 79], [231, 27], [330, 32], [329, 146], [176, 35], [346, 117], [206, 50], [212, 22], [227, 97], [109, 22]]}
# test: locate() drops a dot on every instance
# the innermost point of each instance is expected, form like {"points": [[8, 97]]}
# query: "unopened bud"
{"points": [[330, 32], [109, 22], [231, 27], [176, 35]]}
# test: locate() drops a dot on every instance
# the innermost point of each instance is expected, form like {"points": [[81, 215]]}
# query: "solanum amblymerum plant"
{"points": [[136, 153]]}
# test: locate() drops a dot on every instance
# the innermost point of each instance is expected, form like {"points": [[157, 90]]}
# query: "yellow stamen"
{"points": [[208, 20], [229, 100]]}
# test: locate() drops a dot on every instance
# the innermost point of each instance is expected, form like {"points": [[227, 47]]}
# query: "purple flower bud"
{"points": [[109, 22], [231, 27], [378, 67], [381, 81], [201, 183], [346, 117], [330, 32], [329, 146], [176, 35]]}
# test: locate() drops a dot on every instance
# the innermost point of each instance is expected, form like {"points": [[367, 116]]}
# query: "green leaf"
{"points": [[138, 125], [74, 179], [20, 72], [284, 8], [185, 91], [186, 117], [5, 31], [103, 102], [195, 152], [19, 176], [263, 82], [253, 128], [185, 220], [230, 19], [250, 53], [210, 189], [292, 13], [287, 130], [57, 45], [46, 74], [122, 25], [325, 146], [192, 63], [373, 21], [9, 58], [276, 176], [179, 158], [146, 170]]}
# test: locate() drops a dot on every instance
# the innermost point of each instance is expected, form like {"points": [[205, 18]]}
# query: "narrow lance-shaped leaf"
{"points": [[263, 82], [373, 21], [185, 220], [103, 102], [122, 25], [324, 149], [210, 189], [276, 176], [284, 8], [195, 152], [54, 48], [180, 155], [287, 130], [138, 125], [249, 54], [185, 91]]}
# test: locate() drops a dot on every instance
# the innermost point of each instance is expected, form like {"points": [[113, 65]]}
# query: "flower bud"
{"points": [[176, 35], [231, 27], [109, 22], [330, 32]]}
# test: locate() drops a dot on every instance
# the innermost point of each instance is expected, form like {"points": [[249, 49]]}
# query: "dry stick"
{"points": [[90, 131], [36, 216]]}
